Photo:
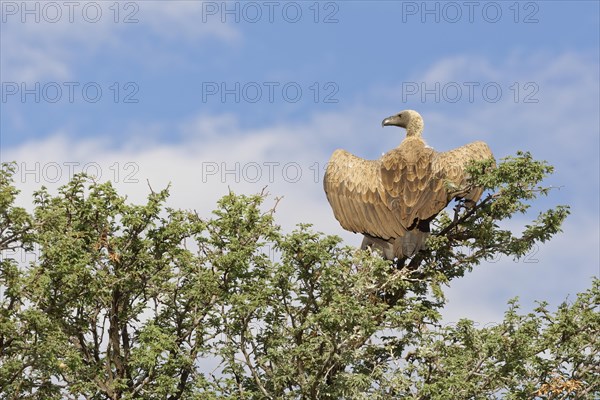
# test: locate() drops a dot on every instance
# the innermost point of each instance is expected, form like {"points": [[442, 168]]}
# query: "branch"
{"points": [[249, 361], [466, 215]]}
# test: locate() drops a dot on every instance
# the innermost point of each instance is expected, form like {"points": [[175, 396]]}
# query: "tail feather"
{"points": [[378, 244]]}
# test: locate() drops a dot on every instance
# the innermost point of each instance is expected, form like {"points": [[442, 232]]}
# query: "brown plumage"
{"points": [[392, 200]]}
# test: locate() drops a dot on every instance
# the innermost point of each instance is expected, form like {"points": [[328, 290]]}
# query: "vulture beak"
{"points": [[389, 121]]}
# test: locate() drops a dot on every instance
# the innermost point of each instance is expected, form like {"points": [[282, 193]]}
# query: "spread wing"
{"points": [[449, 169], [385, 198], [358, 199]]}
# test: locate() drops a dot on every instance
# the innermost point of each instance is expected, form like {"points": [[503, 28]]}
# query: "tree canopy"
{"points": [[128, 301]]}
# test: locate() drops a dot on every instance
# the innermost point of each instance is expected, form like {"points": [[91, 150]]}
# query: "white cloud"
{"points": [[201, 169]]}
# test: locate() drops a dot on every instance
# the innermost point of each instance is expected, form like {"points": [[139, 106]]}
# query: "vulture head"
{"points": [[408, 119]]}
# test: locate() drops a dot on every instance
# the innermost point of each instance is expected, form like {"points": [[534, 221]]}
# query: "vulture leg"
{"points": [[370, 242]]}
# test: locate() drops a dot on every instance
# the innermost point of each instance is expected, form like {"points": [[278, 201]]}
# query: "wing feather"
{"points": [[450, 169], [357, 197]]}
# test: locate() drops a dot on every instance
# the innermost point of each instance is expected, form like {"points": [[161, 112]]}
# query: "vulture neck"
{"points": [[414, 128]]}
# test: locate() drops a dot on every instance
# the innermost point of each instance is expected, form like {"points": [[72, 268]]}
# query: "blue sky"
{"points": [[302, 79]]}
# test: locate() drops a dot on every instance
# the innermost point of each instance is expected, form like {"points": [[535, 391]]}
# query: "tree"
{"points": [[143, 301]]}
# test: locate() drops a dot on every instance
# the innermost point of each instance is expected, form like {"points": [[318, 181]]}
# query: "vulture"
{"points": [[392, 200]]}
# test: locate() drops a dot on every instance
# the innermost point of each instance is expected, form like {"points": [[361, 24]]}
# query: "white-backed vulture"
{"points": [[392, 200]]}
